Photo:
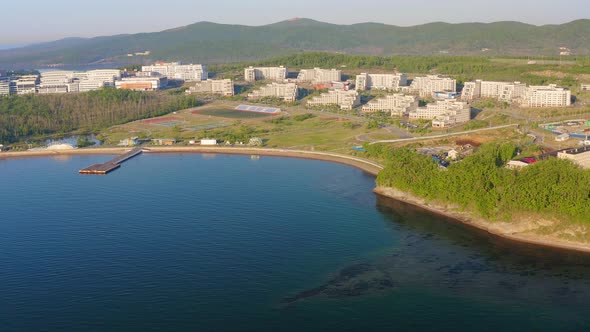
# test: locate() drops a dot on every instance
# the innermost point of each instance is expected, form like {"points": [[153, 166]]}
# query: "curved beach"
{"points": [[366, 165], [507, 231]]}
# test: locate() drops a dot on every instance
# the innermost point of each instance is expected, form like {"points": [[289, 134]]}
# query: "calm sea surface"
{"points": [[228, 243]]}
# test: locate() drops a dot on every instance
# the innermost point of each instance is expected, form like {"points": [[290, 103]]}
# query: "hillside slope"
{"points": [[208, 42]]}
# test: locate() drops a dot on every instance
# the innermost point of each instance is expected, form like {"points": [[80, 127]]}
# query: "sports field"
{"points": [[233, 114]]}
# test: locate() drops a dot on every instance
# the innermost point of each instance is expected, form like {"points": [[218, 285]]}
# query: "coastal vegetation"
{"points": [[22, 117], [481, 183]]}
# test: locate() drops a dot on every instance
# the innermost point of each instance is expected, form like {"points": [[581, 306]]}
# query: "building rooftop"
{"points": [[575, 151]]}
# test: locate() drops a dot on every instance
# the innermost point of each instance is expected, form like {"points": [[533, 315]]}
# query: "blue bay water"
{"points": [[195, 242]]}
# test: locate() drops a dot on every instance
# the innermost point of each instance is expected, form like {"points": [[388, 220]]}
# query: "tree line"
{"points": [[26, 116], [481, 183]]}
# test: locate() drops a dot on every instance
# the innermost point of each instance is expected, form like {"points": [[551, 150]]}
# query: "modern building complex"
{"points": [[222, 87], [366, 81], [443, 113], [585, 87], [286, 91], [504, 91], [26, 84], [580, 156], [516, 92], [178, 71], [546, 96], [252, 74], [57, 82], [425, 86], [318, 75], [347, 100], [96, 79], [142, 83], [4, 86], [396, 104]]}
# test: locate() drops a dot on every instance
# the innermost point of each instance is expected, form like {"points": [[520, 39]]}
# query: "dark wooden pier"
{"points": [[112, 164]]}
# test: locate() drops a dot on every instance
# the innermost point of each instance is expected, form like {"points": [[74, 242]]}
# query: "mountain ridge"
{"points": [[210, 42]]}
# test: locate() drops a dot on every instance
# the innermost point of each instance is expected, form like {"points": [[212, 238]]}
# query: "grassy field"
{"points": [[291, 129], [233, 114]]}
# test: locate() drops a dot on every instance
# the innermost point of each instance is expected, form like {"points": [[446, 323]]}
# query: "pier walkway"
{"points": [[112, 164]]}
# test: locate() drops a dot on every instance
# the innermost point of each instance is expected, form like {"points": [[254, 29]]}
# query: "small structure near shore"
{"points": [[208, 142]]}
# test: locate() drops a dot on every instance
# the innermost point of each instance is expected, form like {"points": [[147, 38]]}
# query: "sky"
{"points": [[43, 20]]}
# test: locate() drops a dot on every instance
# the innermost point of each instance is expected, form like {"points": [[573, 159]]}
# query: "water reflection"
{"points": [[438, 255]]}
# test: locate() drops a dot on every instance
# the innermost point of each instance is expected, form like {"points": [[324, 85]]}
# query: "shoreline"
{"points": [[365, 165], [502, 230], [506, 231]]}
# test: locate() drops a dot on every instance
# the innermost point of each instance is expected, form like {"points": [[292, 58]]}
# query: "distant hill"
{"points": [[207, 42]]}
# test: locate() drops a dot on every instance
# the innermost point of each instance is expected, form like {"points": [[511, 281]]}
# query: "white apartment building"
{"points": [[425, 86], [252, 74], [55, 82], [96, 79], [366, 81], [396, 104], [443, 112], [142, 83], [286, 91], [546, 96], [4, 86], [346, 99], [585, 87], [580, 156], [58, 77], [26, 84], [318, 75], [504, 91], [222, 87], [178, 71]]}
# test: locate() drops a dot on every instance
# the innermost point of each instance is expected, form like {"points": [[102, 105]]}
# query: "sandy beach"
{"points": [[366, 165]]}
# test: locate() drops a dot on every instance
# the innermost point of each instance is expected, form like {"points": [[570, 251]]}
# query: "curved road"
{"points": [[422, 138]]}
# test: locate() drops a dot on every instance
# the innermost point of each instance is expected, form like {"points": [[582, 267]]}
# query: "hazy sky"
{"points": [[44, 20]]}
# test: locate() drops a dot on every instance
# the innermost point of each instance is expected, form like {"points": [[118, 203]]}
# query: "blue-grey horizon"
{"points": [[57, 19]]}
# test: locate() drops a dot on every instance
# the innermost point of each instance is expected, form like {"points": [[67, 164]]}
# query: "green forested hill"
{"points": [[221, 43]]}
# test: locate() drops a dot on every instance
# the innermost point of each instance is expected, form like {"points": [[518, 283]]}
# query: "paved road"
{"points": [[441, 136]]}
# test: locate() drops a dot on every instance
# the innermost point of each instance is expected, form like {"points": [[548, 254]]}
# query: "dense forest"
{"points": [[31, 115], [481, 182]]}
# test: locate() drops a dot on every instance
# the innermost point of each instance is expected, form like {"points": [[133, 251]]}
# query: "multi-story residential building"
{"points": [[580, 156], [426, 85], [546, 96], [252, 74], [55, 82], [366, 81], [4, 86], [178, 71], [96, 79], [585, 87], [444, 112], [346, 99], [471, 90], [504, 91], [222, 87], [318, 75], [142, 83], [286, 91], [396, 104], [26, 84]]}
